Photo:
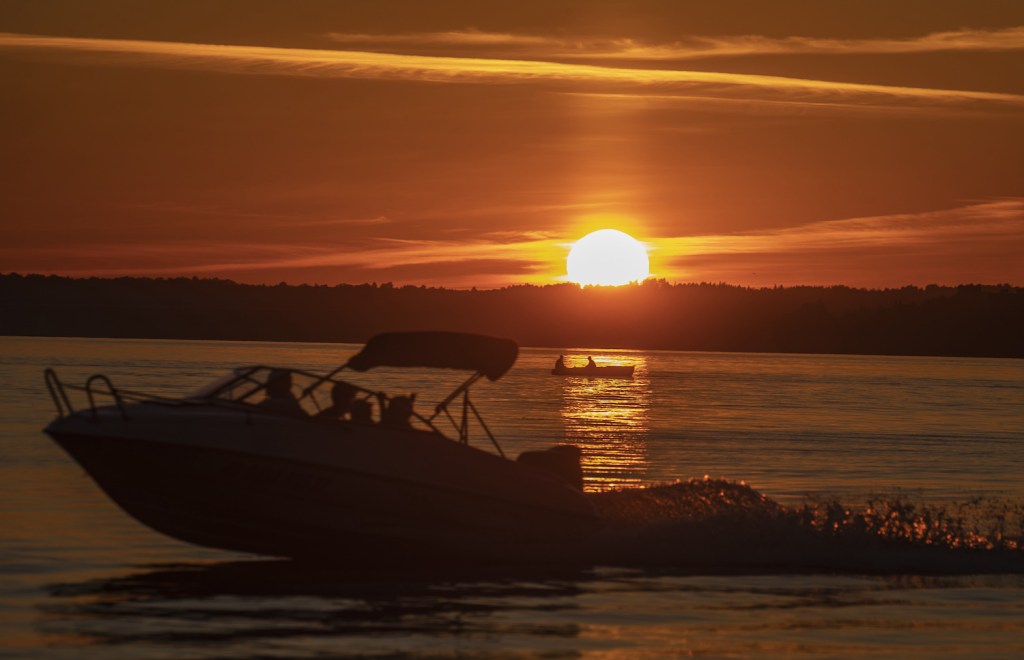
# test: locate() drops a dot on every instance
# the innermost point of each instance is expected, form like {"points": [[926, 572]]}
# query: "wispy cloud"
{"points": [[534, 251], [387, 66], [971, 243], [458, 38], [980, 242], [987, 220], [692, 47]]}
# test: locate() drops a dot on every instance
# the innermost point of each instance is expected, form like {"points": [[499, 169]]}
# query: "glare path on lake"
{"points": [[608, 418]]}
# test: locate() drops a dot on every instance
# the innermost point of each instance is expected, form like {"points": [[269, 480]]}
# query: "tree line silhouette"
{"points": [[966, 320]]}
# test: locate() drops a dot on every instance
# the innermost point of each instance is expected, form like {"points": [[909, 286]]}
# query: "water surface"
{"points": [[81, 579]]}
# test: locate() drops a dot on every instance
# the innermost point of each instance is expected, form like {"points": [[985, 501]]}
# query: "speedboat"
{"points": [[610, 371], [229, 466]]}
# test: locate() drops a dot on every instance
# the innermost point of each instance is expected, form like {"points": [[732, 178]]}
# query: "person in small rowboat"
{"points": [[590, 363], [560, 363]]}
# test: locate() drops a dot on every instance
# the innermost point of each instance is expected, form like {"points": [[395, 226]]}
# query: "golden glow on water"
{"points": [[608, 419]]}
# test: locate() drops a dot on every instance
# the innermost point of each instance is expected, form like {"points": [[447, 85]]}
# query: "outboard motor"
{"points": [[563, 461]]}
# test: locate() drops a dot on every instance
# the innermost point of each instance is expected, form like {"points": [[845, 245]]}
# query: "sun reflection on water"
{"points": [[608, 418]]}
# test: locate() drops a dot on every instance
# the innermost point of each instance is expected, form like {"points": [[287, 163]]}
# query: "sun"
{"points": [[608, 257]]}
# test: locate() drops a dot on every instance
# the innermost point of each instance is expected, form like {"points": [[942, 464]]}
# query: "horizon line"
{"points": [[650, 281]]}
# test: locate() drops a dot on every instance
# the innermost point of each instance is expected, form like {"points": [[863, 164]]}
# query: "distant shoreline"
{"points": [[559, 348], [961, 321]]}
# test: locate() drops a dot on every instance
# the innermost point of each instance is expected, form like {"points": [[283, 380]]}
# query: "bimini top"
{"points": [[490, 356]]}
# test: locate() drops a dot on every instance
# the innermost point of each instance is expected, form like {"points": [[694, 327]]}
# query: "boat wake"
{"points": [[715, 525]]}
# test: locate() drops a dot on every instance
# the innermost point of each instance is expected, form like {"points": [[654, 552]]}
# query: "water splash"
{"points": [[980, 523], [711, 525]]}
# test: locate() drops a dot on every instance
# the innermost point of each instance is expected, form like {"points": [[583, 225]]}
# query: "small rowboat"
{"points": [[595, 372]]}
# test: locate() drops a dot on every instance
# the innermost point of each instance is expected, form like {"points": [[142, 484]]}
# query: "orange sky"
{"points": [[464, 144]]}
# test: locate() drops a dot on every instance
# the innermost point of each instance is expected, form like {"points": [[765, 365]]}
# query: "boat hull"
{"points": [[596, 372], [300, 497]]}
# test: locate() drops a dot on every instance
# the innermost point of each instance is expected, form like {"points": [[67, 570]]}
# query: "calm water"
{"points": [[78, 578]]}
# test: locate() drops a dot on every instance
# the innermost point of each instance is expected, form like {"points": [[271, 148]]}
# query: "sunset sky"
{"points": [[462, 144]]}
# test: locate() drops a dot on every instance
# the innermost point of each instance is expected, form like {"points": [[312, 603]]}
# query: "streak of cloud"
{"points": [[987, 237], [456, 38], [535, 252], [935, 246], [987, 220], [386, 66], [696, 47]]}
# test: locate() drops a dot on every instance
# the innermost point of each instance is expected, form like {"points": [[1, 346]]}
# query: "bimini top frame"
{"points": [[489, 357], [486, 356]]}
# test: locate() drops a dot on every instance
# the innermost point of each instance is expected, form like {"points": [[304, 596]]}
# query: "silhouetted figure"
{"points": [[279, 394], [398, 412], [560, 363], [590, 363], [362, 412], [342, 397]]}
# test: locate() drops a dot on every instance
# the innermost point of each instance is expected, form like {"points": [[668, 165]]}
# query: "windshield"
{"points": [[259, 384], [208, 390], [298, 393]]}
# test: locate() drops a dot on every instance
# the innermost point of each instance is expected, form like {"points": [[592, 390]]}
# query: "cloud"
{"points": [[977, 242], [260, 60], [961, 40], [535, 252], [693, 47], [981, 241], [474, 38], [992, 220]]}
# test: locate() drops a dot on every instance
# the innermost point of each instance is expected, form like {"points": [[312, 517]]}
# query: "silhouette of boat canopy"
{"points": [[490, 356]]}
